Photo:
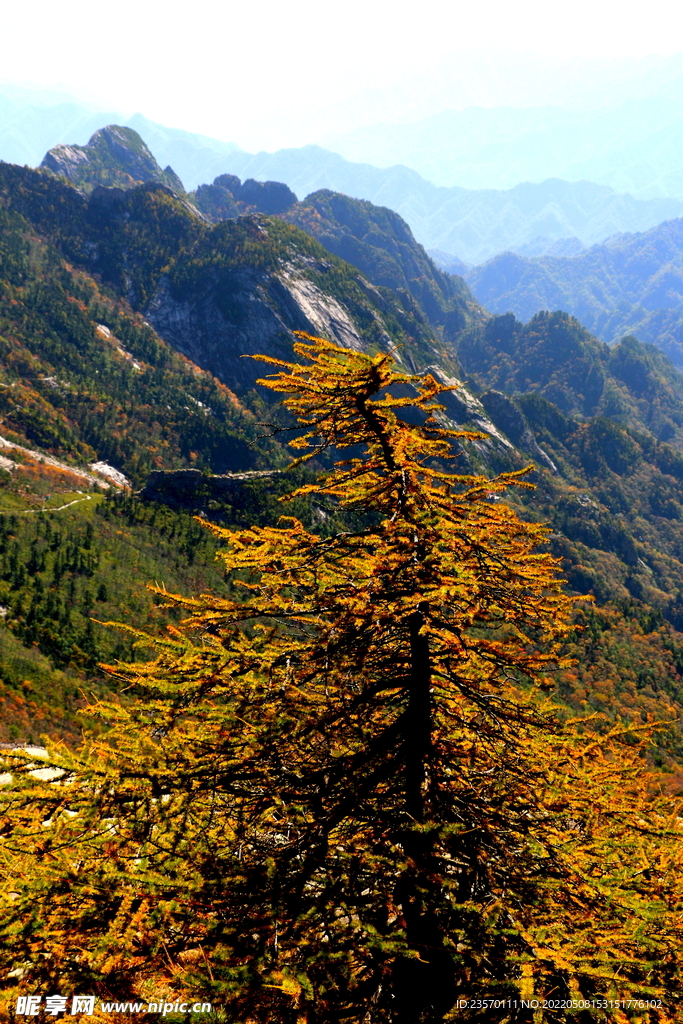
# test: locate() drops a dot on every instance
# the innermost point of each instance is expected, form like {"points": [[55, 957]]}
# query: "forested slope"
{"points": [[87, 380], [100, 292], [255, 279], [630, 284]]}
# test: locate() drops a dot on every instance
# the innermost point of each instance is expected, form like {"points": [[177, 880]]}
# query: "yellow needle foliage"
{"points": [[342, 795]]}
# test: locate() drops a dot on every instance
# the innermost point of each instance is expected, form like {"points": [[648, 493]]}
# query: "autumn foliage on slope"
{"points": [[341, 794]]}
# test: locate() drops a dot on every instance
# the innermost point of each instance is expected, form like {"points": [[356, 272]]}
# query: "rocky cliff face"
{"points": [[381, 244], [374, 239], [216, 293], [113, 156], [219, 307]]}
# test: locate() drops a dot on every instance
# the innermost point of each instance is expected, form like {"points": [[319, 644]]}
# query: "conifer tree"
{"points": [[341, 794]]}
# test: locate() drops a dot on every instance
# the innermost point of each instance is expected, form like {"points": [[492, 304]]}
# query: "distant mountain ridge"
{"points": [[373, 239], [633, 284], [630, 284], [499, 146], [113, 156], [218, 293], [471, 225], [31, 124]]}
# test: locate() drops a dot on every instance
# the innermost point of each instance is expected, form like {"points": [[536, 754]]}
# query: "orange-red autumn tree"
{"points": [[341, 795]]}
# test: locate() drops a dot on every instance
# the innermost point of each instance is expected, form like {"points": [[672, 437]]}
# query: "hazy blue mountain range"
{"points": [[634, 147], [403, 93], [471, 225], [538, 246], [630, 284], [28, 129], [33, 123], [494, 80], [196, 158]]}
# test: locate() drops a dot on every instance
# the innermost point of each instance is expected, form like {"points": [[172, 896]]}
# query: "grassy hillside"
{"points": [[59, 571]]}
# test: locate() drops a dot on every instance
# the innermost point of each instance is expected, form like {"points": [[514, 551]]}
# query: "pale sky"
{"points": [[268, 73]]}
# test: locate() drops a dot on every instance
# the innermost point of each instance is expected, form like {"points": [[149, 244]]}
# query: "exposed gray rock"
{"points": [[254, 312], [113, 156]]}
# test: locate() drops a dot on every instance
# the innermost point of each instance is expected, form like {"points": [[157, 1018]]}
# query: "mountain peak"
{"points": [[114, 156]]}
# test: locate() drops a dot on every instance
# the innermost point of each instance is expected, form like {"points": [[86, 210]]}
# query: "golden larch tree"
{"points": [[342, 794]]}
